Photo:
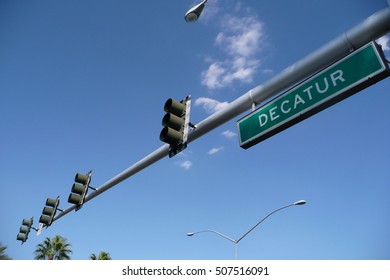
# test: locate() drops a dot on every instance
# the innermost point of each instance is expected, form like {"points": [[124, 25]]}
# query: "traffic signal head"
{"points": [[77, 194], [175, 122], [79, 189], [49, 211], [174, 107], [25, 230], [82, 178]]}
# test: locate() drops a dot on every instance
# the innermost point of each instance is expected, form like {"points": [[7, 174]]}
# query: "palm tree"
{"points": [[53, 249], [102, 256], [3, 255]]}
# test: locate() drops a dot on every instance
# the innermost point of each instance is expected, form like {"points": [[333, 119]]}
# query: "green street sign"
{"points": [[342, 79]]}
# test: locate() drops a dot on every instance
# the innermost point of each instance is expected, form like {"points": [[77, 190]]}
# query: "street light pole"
{"points": [[300, 202], [235, 241], [218, 233]]}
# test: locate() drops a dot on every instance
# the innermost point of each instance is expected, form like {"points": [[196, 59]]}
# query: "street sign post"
{"points": [[342, 79]]}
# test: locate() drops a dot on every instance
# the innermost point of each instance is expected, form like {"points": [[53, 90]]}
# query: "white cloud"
{"points": [[210, 105], [212, 77], [240, 40], [186, 164], [215, 150], [241, 36], [229, 134], [384, 42]]}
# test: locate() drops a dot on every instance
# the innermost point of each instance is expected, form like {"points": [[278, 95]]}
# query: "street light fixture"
{"points": [[194, 13], [300, 202], [235, 241]]}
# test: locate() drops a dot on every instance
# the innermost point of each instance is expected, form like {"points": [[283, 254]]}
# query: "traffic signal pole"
{"points": [[368, 30]]}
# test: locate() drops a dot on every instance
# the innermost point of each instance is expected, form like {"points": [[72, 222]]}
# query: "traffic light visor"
{"points": [[27, 222], [51, 202], [23, 229], [170, 136], [74, 198], [21, 237], [79, 189], [173, 121], [45, 220], [48, 211], [174, 107], [81, 178]]}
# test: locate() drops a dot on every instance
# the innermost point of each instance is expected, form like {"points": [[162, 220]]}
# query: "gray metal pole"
{"points": [[370, 29], [262, 220]]}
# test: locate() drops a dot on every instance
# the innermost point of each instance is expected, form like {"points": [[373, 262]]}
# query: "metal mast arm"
{"points": [[370, 29]]}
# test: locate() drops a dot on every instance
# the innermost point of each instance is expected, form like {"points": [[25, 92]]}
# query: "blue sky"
{"points": [[83, 84]]}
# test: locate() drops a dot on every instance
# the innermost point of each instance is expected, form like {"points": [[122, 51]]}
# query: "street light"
{"points": [[235, 241], [194, 13]]}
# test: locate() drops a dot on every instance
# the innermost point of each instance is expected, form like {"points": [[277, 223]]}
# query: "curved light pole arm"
{"points": [[213, 231], [281, 208], [220, 234], [299, 202]]}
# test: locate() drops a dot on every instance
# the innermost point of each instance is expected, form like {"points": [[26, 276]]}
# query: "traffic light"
{"points": [[176, 124], [80, 189], [25, 230], [49, 211]]}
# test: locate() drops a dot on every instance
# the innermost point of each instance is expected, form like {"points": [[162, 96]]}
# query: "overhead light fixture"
{"points": [[194, 13]]}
